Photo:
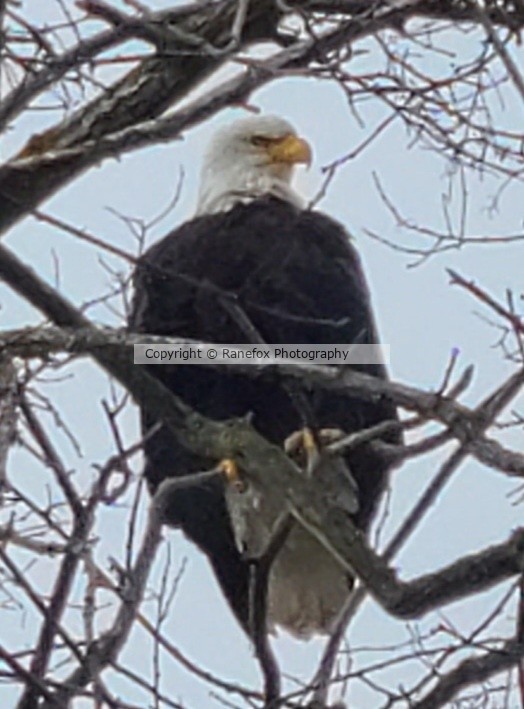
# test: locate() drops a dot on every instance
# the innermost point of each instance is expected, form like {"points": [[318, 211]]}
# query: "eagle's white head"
{"points": [[250, 158]]}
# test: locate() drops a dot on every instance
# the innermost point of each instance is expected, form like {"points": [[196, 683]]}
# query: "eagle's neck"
{"points": [[222, 195]]}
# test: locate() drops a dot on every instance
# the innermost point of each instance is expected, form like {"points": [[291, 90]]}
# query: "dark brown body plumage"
{"points": [[297, 278]]}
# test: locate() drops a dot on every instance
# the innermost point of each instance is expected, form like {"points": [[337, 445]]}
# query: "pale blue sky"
{"points": [[419, 314]]}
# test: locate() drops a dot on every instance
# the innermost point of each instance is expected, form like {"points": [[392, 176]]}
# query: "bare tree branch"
{"points": [[236, 439], [374, 54], [470, 671], [463, 423], [8, 412], [105, 650]]}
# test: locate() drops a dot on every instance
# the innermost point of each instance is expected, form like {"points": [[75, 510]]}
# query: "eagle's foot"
{"points": [[305, 446], [327, 436], [230, 470]]}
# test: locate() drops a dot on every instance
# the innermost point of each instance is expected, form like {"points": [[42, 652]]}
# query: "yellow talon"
{"points": [[231, 472], [303, 444], [309, 443]]}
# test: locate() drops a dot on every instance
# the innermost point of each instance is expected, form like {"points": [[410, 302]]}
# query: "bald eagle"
{"points": [[295, 277]]}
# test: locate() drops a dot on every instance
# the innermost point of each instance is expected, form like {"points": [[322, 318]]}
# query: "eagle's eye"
{"points": [[260, 141]]}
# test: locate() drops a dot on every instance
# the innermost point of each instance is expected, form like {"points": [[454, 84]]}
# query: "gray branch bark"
{"points": [[8, 411], [465, 424], [125, 116], [268, 467]]}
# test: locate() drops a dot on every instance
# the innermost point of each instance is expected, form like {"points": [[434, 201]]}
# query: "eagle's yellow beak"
{"points": [[290, 150]]}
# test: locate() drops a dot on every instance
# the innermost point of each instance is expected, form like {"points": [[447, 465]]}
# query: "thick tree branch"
{"points": [[159, 81], [8, 411], [450, 109], [24, 184], [269, 468], [141, 95], [471, 671], [464, 423]]}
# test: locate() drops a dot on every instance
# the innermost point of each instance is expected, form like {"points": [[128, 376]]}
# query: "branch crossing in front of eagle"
{"points": [[309, 450]]}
